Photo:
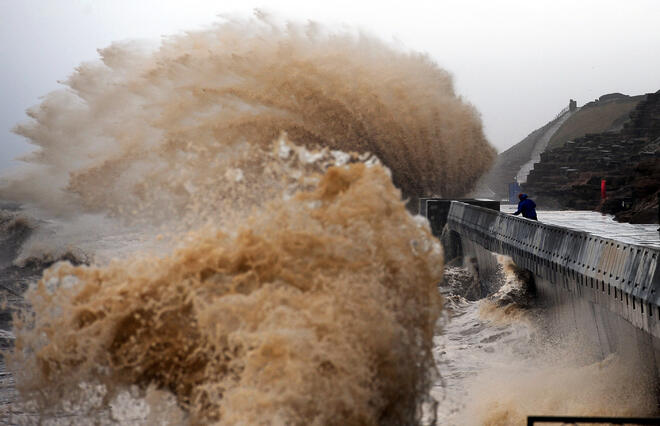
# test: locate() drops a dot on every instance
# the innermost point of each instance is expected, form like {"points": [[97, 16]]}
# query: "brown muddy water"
{"points": [[215, 231]]}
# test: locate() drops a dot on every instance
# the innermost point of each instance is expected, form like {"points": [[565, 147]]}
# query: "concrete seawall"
{"points": [[606, 291]]}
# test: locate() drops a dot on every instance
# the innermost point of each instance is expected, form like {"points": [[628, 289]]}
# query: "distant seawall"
{"points": [[606, 291]]}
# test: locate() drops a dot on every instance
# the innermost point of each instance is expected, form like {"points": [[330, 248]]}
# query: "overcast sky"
{"points": [[518, 62]]}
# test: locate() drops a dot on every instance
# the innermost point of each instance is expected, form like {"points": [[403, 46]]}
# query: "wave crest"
{"points": [[153, 130], [322, 311]]}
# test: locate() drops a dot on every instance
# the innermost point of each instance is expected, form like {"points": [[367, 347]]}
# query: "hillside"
{"points": [[607, 113], [508, 163], [628, 161]]}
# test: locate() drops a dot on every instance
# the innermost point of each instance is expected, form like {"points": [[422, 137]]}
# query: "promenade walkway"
{"points": [[598, 224]]}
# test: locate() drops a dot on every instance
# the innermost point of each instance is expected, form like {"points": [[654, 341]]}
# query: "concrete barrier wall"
{"points": [[437, 209], [620, 278]]}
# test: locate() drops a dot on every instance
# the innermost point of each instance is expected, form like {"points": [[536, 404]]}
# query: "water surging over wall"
{"points": [[301, 291]]}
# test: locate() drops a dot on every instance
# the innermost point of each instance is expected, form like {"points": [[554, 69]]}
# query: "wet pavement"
{"points": [[599, 224]]}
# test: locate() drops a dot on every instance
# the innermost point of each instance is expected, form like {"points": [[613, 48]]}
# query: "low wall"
{"points": [[601, 281], [437, 209]]}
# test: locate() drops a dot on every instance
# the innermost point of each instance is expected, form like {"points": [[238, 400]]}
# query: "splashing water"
{"points": [[300, 290], [500, 363], [275, 159], [150, 132], [316, 313]]}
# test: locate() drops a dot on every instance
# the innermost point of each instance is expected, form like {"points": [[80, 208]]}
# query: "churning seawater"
{"points": [[230, 211], [223, 230], [500, 362]]}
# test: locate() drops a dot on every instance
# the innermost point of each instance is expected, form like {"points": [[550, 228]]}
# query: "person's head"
{"points": [[522, 196]]}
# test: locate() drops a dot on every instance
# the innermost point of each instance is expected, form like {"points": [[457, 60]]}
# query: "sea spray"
{"points": [[553, 382], [320, 310], [277, 160], [501, 363], [147, 132]]}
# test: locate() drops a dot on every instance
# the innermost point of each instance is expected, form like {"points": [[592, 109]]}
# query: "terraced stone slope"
{"points": [[628, 160]]}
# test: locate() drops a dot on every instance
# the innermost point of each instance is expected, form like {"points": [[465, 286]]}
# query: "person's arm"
{"points": [[519, 209]]}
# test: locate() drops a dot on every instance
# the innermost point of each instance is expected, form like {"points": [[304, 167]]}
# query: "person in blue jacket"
{"points": [[527, 207]]}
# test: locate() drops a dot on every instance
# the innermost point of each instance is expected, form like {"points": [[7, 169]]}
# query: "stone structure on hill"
{"points": [[605, 114], [628, 160], [523, 155]]}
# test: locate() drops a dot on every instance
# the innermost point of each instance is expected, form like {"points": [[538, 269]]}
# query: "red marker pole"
{"points": [[603, 189]]}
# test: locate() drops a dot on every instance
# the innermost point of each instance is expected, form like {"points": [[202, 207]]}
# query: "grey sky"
{"points": [[518, 62]]}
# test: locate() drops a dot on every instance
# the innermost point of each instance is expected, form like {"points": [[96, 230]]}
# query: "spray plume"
{"points": [[160, 126], [301, 291]]}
